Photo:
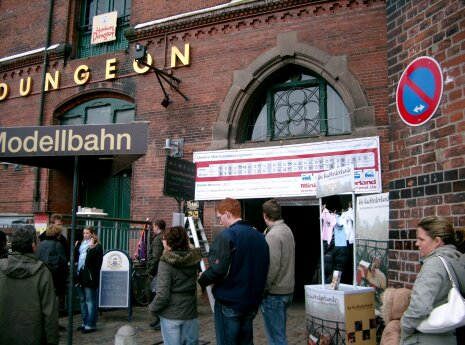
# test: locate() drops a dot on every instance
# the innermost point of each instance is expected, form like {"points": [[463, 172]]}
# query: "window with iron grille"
{"points": [[297, 104], [92, 8]]}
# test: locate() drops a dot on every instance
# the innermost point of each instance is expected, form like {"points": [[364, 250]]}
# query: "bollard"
{"points": [[126, 335]]}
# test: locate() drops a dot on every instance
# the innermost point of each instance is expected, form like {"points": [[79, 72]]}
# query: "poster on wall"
{"points": [[285, 171], [372, 222], [104, 27]]}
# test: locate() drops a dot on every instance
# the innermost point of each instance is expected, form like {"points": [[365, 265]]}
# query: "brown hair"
{"points": [[272, 210], [230, 205], [441, 227], [161, 224], [91, 228], [55, 216], [176, 238]]}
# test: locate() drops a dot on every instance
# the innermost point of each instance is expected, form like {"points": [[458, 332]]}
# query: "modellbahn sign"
{"points": [[419, 91], [115, 139]]}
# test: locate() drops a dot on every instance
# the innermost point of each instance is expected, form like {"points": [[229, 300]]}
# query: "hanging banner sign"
{"points": [[335, 181], [284, 171], [104, 28], [419, 91]]}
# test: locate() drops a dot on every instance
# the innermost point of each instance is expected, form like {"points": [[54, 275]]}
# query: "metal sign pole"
{"points": [[71, 250], [323, 277]]}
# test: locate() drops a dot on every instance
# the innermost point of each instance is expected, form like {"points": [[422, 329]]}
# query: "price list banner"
{"points": [[284, 171]]}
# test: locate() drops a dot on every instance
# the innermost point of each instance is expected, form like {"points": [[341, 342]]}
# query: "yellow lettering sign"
{"points": [[110, 70], [81, 75], [184, 58]]}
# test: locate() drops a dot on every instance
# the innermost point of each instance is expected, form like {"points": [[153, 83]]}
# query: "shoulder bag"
{"points": [[448, 316]]}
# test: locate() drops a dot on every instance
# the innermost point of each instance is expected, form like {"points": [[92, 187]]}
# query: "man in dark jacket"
{"points": [[155, 253], [27, 297], [238, 267]]}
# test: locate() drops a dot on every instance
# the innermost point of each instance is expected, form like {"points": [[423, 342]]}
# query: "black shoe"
{"points": [[80, 328], [88, 330], [61, 328]]}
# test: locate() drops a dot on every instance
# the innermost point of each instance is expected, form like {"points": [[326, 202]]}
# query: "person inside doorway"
{"points": [[279, 288]]}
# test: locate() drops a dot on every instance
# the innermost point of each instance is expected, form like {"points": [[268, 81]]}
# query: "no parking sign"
{"points": [[419, 91]]}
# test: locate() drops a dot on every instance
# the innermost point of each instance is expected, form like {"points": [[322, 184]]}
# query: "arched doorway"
{"points": [[112, 194]]}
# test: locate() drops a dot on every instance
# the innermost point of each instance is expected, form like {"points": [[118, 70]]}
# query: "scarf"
{"points": [[83, 253]]}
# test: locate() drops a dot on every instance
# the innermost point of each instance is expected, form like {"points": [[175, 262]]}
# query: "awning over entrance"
{"points": [[103, 150]]}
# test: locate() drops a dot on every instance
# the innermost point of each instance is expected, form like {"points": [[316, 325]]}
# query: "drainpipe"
{"points": [[36, 200]]}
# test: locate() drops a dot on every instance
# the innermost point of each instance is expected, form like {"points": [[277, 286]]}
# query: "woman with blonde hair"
{"points": [[436, 236], [89, 256]]}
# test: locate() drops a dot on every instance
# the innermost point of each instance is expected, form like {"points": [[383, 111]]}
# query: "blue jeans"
{"points": [[233, 327], [89, 304], [179, 332], [274, 311]]}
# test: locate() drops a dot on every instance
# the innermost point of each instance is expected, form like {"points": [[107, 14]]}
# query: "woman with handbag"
{"points": [[89, 254], [436, 240]]}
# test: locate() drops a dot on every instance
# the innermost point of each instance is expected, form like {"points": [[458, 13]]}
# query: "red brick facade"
{"points": [[426, 163], [231, 48]]}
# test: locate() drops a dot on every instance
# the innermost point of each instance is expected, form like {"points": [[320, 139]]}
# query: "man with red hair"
{"points": [[238, 267]]}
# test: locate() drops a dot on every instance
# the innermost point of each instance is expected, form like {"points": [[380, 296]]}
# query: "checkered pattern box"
{"points": [[339, 317]]}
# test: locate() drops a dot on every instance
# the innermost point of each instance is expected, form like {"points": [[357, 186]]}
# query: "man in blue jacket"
{"points": [[238, 267]]}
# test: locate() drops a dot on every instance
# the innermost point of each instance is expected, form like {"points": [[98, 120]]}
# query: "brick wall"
{"points": [[355, 29], [427, 164]]}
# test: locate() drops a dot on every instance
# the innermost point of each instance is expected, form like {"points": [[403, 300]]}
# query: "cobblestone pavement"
{"points": [[111, 320]]}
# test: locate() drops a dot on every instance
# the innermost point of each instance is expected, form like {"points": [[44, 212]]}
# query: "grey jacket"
{"points": [[29, 307], [430, 290], [176, 296], [281, 272]]}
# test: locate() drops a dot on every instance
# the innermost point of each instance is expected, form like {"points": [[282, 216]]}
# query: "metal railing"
{"points": [[113, 233]]}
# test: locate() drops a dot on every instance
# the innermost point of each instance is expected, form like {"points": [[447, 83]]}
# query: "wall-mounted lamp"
{"points": [[166, 101], [174, 147], [140, 55]]}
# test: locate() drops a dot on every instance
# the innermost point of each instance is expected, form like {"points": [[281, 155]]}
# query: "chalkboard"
{"points": [[114, 280], [179, 178], [114, 289]]}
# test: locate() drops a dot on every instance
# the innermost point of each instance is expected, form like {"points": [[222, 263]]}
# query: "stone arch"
{"points": [[289, 51], [88, 95]]}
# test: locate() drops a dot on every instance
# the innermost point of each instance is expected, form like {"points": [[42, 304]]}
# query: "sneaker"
{"points": [[88, 330], [80, 328]]}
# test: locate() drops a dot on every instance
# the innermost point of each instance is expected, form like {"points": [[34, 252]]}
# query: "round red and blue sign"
{"points": [[419, 91]]}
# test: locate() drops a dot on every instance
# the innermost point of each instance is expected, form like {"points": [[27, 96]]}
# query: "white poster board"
{"points": [[373, 216]]}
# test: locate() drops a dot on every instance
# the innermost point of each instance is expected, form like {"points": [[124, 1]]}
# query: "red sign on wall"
{"points": [[419, 91]]}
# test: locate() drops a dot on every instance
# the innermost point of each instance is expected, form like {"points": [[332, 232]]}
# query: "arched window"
{"points": [[295, 103], [100, 111]]}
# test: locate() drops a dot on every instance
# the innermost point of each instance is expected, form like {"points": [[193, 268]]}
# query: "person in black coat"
{"points": [[53, 253]]}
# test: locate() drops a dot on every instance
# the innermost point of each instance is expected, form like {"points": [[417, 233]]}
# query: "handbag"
{"points": [[85, 277], [448, 316], [153, 285]]}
